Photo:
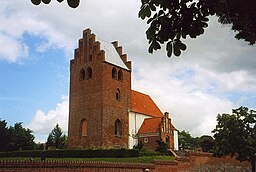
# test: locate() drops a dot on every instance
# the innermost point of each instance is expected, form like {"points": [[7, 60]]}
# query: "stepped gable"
{"points": [[89, 47], [142, 103]]}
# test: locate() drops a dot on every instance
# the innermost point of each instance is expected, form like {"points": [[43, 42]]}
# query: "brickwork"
{"points": [[154, 129], [64, 166], [93, 97], [149, 142], [195, 162]]}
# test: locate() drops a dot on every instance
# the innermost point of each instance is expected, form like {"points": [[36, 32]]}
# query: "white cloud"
{"points": [[191, 87], [12, 49], [43, 123], [191, 108]]}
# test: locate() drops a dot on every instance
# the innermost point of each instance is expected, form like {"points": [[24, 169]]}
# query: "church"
{"points": [[104, 112]]}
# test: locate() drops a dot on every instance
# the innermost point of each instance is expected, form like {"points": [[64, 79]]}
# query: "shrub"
{"points": [[70, 153]]}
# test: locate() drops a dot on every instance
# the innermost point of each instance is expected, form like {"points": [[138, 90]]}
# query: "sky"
{"points": [[214, 75]]}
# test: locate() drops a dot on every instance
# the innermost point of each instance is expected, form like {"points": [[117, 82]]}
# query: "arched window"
{"points": [[89, 73], [82, 74], [120, 75], [117, 94], [118, 128], [114, 73], [83, 128]]}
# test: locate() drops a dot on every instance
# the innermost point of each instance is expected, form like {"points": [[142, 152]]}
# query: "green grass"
{"points": [[141, 159]]}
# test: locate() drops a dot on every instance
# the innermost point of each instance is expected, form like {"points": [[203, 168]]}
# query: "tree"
{"points": [[186, 141], [71, 3], [56, 138], [171, 20], [4, 137], [207, 143], [16, 137], [235, 134], [21, 138]]}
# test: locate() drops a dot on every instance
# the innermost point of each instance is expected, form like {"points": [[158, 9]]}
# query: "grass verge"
{"points": [[141, 159]]}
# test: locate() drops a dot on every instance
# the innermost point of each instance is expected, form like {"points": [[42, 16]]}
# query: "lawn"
{"points": [[141, 159]]}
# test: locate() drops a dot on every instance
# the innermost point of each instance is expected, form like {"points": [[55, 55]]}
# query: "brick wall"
{"points": [[63, 166], [194, 162], [94, 99]]}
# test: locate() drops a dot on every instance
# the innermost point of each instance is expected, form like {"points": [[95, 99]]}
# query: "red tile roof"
{"points": [[150, 125], [143, 104]]}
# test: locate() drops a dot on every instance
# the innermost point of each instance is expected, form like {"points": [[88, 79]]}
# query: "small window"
{"points": [[145, 140], [114, 73], [120, 75], [118, 94], [89, 73], [118, 128], [82, 74], [83, 128]]}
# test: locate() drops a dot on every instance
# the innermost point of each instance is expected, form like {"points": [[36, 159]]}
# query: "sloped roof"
{"points": [[142, 103], [112, 55], [150, 125]]}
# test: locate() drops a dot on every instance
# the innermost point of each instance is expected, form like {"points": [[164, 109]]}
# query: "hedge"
{"points": [[70, 153]]}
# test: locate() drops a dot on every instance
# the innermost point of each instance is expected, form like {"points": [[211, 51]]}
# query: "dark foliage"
{"points": [[207, 143], [173, 20], [71, 3], [139, 146], [15, 138], [161, 147], [56, 138], [235, 135], [68, 153]]}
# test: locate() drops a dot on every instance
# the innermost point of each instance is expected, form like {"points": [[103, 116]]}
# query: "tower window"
{"points": [[114, 73], [117, 94], [120, 75], [83, 128], [118, 128], [89, 73], [82, 74]]}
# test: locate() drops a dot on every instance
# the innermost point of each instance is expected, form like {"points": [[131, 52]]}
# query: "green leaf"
{"points": [[182, 46], [177, 51], [73, 3], [144, 1], [205, 19], [156, 45], [151, 19], [147, 11], [144, 11], [169, 48], [36, 2], [150, 48], [46, 1], [152, 7]]}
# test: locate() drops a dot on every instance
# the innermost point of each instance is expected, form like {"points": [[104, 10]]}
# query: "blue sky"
{"points": [[214, 75]]}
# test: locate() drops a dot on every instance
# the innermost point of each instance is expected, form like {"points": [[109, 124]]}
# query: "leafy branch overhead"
{"points": [[173, 20], [71, 3]]}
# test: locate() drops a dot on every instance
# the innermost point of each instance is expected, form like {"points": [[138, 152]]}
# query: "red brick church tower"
{"points": [[100, 94]]}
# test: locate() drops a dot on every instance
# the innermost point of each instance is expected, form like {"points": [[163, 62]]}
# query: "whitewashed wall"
{"points": [[176, 140], [135, 122]]}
